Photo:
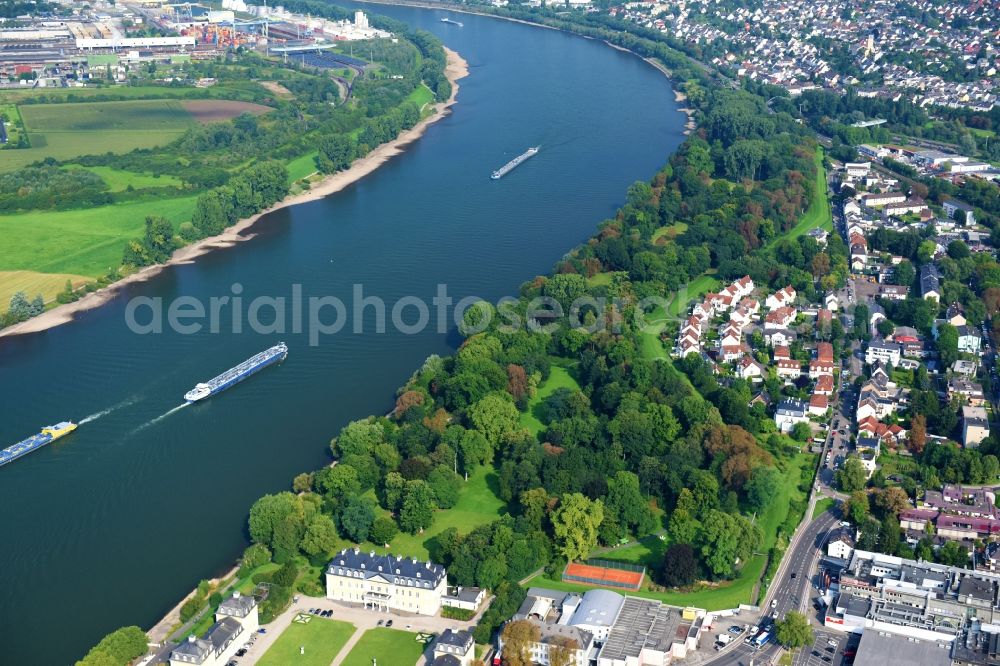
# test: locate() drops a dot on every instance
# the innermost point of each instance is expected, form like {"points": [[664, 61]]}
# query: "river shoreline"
{"points": [[689, 126], [456, 68]]}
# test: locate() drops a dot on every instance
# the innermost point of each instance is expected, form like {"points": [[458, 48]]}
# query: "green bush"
{"points": [[286, 575], [461, 614], [119, 647]]}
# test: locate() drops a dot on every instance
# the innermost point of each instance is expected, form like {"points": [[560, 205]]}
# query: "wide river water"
{"points": [[113, 524]]}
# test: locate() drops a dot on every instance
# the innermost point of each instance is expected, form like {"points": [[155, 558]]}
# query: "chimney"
{"points": [[236, 594], [192, 638]]}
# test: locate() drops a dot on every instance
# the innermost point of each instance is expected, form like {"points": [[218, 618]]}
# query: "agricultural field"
{"points": [[78, 242], [386, 646], [90, 128], [31, 283], [217, 110], [321, 639]]}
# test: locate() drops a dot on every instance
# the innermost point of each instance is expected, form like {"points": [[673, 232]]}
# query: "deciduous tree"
{"points": [[575, 523], [793, 631]]}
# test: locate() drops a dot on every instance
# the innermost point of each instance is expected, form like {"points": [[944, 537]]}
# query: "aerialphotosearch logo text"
{"points": [[365, 314]]}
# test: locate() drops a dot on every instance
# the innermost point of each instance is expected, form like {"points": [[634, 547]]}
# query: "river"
{"points": [[111, 525]]}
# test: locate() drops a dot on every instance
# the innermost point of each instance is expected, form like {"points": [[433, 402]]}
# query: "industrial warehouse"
{"points": [[74, 46]]}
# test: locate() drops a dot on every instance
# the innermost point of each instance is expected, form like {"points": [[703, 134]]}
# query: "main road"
{"points": [[790, 590]]}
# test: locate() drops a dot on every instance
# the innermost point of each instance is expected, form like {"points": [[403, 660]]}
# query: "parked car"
{"points": [[388, 623], [381, 622]]}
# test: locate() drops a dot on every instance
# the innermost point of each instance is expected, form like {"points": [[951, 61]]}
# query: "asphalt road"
{"points": [[793, 591]]}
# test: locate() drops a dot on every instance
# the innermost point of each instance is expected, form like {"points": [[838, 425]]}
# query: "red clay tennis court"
{"points": [[605, 573]]}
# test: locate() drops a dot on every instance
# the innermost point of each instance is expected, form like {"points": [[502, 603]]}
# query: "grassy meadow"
{"points": [[79, 242], [322, 639], [387, 646]]}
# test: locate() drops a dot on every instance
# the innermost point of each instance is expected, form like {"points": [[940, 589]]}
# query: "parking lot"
{"points": [[821, 653]]}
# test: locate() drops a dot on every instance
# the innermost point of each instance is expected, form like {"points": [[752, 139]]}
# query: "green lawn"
{"points": [[387, 646], [982, 132], [13, 125], [559, 377], [823, 505], [477, 505], [599, 280], [322, 639], [301, 167], [81, 242], [818, 214], [668, 232], [422, 97], [649, 551], [119, 180]]}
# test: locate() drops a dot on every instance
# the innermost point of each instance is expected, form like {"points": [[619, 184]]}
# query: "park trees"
{"points": [[947, 344], [763, 486], [575, 523], [494, 415], [624, 501], [793, 631], [384, 530], [417, 512], [320, 537], [680, 566], [255, 555], [356, 518], [121, 646], [726, 541]]}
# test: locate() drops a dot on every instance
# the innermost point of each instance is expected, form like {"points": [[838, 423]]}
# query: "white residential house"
{"points": [[782, 298], [779, 337], [880, 350], [857, 169], [788, 369], [975, 425], [818, 368], [878, 200], [454, 648], [953, 206], [969, 340], [789, 413], [749, 369], [782, 317], [580, 640], [841, 544], [236, 620], [832, 302]]}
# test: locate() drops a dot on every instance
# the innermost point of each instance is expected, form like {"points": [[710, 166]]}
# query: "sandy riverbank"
{"points": [[456, 68]]}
